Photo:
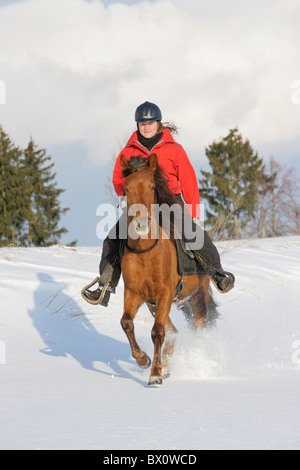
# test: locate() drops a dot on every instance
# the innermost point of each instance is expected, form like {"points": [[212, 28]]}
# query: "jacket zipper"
{"points": [[149, 152]]}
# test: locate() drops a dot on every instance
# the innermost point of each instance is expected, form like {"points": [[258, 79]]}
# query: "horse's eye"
{"points": [[153, 188], [126, 190]]}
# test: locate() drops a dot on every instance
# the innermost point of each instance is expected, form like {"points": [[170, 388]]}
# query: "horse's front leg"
{"points": [[169, 347], [169, 343], [131, 304], [158, 336]]}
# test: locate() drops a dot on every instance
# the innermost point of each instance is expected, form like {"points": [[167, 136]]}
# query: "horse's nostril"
{"points": [[142, 225]]}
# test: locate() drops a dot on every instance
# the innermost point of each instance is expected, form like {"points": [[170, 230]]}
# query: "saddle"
{"points": [[187, 265]]}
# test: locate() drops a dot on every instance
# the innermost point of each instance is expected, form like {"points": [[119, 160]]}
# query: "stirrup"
{"points": [[104, 288]]}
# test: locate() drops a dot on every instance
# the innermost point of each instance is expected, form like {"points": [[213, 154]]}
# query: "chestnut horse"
{"points": [[149, 267]]}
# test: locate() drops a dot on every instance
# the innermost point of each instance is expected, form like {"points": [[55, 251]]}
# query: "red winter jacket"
{"points": [[174, 161]]}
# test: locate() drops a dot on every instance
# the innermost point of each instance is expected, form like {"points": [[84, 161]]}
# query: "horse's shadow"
{"points": [[73, 334]]}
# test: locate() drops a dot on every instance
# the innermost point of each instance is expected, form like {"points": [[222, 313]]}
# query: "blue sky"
{"points": [[75, 70]]}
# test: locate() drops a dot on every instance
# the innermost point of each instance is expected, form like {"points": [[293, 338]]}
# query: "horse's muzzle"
{"points": [[142, 225]]}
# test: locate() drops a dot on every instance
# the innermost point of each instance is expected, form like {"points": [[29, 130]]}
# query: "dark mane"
{"points": [[163, 195], [135, 164]]}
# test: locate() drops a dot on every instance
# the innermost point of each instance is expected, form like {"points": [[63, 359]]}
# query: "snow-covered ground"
{"points": [[67, 380]]}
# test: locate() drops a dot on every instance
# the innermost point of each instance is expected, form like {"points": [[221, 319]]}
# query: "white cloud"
{"points": [[76, 70]]}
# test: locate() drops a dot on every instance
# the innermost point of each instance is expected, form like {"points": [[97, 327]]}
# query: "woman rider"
{"points": [[152, 137]]}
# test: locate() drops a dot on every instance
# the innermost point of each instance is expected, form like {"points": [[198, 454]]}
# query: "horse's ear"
{"points": [[124, 163], [153, 162]]}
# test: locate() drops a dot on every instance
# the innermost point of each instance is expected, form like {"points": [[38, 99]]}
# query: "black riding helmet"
{"points": [[147, 112]]}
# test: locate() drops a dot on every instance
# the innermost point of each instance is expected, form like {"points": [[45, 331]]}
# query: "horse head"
{"points": [[139, 191]]}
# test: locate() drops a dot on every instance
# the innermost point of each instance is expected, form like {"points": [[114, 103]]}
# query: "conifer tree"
{"points": [[30, 211], [231, 188], [11, 180], [42, 207]]}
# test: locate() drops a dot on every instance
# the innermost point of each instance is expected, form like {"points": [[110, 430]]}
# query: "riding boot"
{"points": [[107, 283], [223, 280], [110, 272], [100, 296]]}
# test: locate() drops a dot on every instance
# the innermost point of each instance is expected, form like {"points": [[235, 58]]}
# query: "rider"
{"points": [[152, 136]]}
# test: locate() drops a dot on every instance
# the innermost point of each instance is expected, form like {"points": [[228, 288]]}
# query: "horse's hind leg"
{"points": [[199, 303], [131, 305]]}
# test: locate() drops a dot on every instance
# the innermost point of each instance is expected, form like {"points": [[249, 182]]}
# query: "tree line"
{"points": [[243, 196], [30, 210]]}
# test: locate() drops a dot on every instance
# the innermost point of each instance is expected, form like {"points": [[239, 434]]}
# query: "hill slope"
{"points": [[68, 380]]}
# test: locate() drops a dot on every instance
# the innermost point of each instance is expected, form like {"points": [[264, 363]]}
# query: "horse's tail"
{"points": [[212, 314]]}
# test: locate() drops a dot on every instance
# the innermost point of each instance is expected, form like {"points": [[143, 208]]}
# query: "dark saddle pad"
{"points": [[188, 264]]}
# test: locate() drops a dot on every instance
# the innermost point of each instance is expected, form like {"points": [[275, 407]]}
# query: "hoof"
{"points": [[155, 381], [147, 364], [166, 374]]}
